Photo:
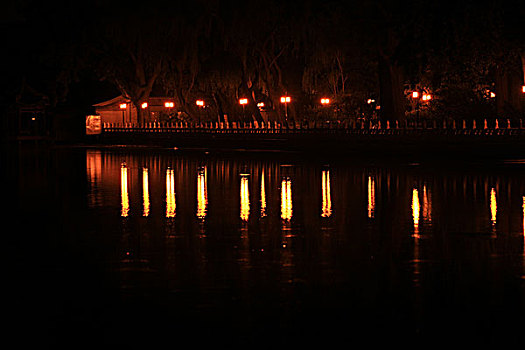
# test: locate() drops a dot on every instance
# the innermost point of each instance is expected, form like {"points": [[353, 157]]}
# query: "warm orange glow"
{"points": [[492, 95], [369, 101], [144, 105], [427, 206], [285, 99], [124, 195], [493, 206], [415, 94], [260, 104], [145, 191], [199, 103], [94, 172], [170, 193], [371, 196], [523, 206], [245, 198], [243, 101], [523, 89], [202, 193], [327, 201], [286, 199], [426, 97], [415, 210], [169, 104], [325, 101], [123, 106], [263, 196]]}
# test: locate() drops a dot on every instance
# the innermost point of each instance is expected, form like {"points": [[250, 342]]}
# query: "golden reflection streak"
{"points": [[415, 215], [202, 193], [327, 201], [427, 205], [263, 196], [286, 199], [145, 191], [124, 195], [371, 197], [94, 166], [493, 206], [523, 206], [415, 211], [245, 199], [170, 193]]}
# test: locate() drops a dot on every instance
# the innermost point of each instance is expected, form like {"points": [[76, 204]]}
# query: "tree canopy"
{"points": [[351, 51]]}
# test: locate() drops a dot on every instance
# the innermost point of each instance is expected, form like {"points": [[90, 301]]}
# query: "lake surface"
{"points": [[139, 248]]}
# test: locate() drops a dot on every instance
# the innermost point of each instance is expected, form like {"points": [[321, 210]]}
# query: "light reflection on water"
{"points": [[241, 227]]}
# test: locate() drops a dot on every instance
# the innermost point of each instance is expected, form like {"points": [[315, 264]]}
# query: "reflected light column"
{"points": [[415, 211], [170, 193], [202, 193], [145, 191], [124, 195], [327, 201], [286, 199], [427, 206], [371, 197], [523, 206], [94, 171], [245, 199], [415, 215], [263, 196], [493, 207]]}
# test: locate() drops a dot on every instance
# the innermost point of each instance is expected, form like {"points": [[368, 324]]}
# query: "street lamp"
{"points": [[123, 106], [242, 102], [286, 100], [415, 96], [199, 103]]}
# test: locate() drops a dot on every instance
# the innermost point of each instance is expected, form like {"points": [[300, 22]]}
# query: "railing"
{"points": [[357, 128]]}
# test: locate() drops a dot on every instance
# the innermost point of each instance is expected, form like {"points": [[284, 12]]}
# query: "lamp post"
{"points": [[200, 104], [285, 100], [242, 102], [123, 106], [415, 96]]}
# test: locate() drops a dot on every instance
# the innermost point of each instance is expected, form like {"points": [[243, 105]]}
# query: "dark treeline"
{"points": [[360, 54]]}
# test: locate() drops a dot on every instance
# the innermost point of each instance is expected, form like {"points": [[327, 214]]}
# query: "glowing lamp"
{"points": [[169, 104], [426, 97], [369, 101], [243, 101], [325, 101], [523, 89], [123, 106], [199, 103], [144, 105], [260, 104], [492, 95], [415, 94], [285, 99]]}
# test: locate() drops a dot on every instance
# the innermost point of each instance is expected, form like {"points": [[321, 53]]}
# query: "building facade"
{"points": [[120, 110]]}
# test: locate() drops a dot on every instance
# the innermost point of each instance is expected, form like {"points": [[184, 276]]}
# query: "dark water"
{"points": [[147, 249]]}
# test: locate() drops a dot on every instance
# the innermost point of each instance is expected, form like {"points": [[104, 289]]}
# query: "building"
{"points": [[120, 110]]}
